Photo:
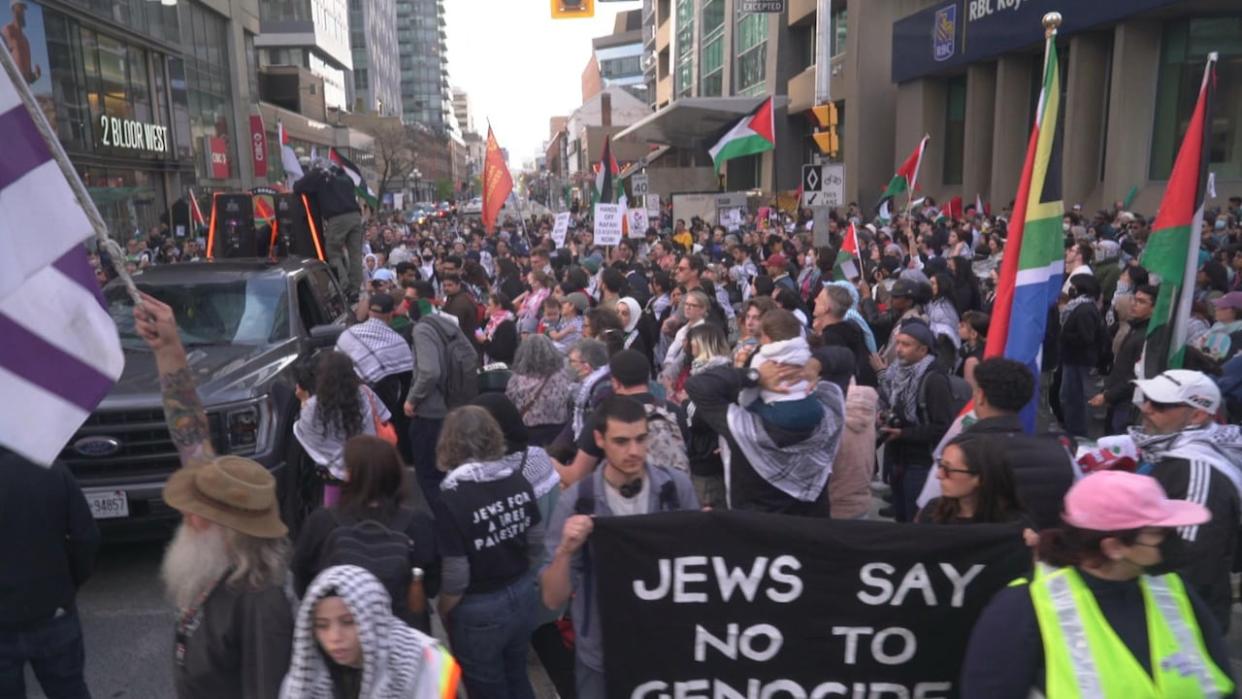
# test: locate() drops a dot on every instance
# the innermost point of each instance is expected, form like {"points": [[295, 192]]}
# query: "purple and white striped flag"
{"points": [[60, 353]]}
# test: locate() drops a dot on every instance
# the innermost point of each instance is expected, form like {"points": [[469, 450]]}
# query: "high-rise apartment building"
{"points": [[312, 34], [461, 108], [425, 94], [376, 84]]}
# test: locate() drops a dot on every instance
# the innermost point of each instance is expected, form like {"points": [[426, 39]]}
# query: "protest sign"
{"points": [[608, 223], [637, 222], [560, 228], [653, 206], [731, 219], [744, 604]]}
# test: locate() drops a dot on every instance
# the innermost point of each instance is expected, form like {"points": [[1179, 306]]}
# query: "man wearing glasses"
{"points": [[1194, 458]]}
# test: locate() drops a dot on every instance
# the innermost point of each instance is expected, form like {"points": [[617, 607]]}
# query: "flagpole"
{"points": [[66, 168]]}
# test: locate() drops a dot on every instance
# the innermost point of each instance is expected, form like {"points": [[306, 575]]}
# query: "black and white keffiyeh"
{"points": [[799, 470], [899, 387], [394, 656], [376, 350], [534, 462], [1220, 446]]}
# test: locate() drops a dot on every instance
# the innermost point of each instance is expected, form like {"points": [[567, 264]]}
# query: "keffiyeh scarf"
{"points": [[899, 387]]}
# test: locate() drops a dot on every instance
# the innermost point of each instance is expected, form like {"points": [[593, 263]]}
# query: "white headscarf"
{"points": [[635, 313]]}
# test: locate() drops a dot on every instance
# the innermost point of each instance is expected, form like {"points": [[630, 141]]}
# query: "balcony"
{"points": [[664, 90], [802, 90], [662, 35], [800, 11]]}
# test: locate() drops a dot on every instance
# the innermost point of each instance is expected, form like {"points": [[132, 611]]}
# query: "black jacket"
{"points": [[913, 447], [1081, 336], [503, 344], [1117, 387], [1042, 468], [333, 193], [49, 544], [1203, 554], [847, 334], [712, 392]]}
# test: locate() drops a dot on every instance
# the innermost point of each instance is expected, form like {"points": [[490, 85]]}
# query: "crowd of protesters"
{"points": [[532, 386]]}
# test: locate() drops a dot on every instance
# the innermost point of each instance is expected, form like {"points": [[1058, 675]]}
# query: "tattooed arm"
{"points": [[183, 410]]}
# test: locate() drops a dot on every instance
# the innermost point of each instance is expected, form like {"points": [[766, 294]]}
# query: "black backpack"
{"points": [[383, 550], [959, 391], [459, 371]]}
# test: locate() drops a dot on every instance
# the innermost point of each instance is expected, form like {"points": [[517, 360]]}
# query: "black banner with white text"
{"points": [[748, 605]]}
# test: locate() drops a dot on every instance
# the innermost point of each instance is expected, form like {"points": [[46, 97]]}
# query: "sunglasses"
{"points": [[1163, 407]]}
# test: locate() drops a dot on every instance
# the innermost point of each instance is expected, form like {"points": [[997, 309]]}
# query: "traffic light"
{"points": [[826, 137], [573, 9]]}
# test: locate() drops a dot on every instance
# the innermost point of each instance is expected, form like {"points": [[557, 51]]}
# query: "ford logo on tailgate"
{"points": [[97, 446]]}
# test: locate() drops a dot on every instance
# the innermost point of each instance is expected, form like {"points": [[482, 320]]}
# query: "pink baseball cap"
{"points": [[1110, 501]]}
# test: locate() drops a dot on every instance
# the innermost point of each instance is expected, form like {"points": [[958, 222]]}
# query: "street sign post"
{"points": [[638, 183], [823, 185]]}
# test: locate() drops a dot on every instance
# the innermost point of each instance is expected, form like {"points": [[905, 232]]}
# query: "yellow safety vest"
{"points": [[1085, 659]]}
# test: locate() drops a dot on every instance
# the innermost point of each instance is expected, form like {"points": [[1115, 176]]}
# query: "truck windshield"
{"points": [[240, 312]]}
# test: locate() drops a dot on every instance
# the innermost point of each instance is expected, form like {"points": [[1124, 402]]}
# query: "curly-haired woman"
{"points": [[341, 407]]}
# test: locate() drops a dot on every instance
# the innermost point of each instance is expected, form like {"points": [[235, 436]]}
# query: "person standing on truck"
{"points": [[342, 223], [226, 568], [48, 555]]}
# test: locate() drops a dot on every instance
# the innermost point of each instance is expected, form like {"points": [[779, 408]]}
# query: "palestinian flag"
{"points": [[606, 184], [755, 133], [1029, 280], [907, 178], [846, 255], [360, 183], [1173, 248], [288, 158]]}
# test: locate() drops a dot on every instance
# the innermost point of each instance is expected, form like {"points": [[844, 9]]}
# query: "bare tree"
{"points": [[394, 155]]}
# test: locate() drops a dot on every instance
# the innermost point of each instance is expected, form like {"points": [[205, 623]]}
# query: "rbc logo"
{"points": [[944, 33]]}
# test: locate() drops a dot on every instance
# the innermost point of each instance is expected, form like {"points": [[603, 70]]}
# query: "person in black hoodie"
{"points": [[1043, 469], [49, 553], [378, 490], [1082, 333], [333, 193], [828, 319], [1118, 387]]}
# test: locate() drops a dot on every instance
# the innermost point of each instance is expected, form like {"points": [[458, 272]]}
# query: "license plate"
{"points": [[107, 504]]}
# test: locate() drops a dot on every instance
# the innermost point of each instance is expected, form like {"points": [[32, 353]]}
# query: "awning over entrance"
{"points": [[644, 161], [693, 122]]}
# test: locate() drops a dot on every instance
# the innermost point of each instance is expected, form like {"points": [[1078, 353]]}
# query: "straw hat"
{"points": [[230, 491]]}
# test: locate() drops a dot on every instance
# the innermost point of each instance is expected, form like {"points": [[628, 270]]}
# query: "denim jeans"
{"points": [[424, 435], [55, 652], [490, 634], [1074, 378], [907, 484]]}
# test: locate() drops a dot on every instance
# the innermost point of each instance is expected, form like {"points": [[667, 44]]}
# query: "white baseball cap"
{"points": [[1192, 388]]}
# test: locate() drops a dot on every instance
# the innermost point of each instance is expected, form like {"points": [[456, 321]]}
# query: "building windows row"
{"points": [[752, 52], [1185, 48]]}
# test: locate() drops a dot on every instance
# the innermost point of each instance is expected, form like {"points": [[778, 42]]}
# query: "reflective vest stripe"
{"points": [[1190, 657], [1068, 619]]}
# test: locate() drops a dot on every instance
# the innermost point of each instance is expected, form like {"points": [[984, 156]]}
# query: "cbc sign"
{"points": [[133, 135]]}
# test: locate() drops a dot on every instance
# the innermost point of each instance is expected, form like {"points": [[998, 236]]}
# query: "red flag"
{"points": [[497, 183]]}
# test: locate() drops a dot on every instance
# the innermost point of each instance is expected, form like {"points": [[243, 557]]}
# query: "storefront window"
{"points": [[1184, 53], [130, 201]]}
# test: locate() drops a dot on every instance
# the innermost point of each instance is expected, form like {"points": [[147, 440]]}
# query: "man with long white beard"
{"points": [[226, 568]]}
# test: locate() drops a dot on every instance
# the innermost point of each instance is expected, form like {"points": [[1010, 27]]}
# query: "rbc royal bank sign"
{"points": [[958, 32]]}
